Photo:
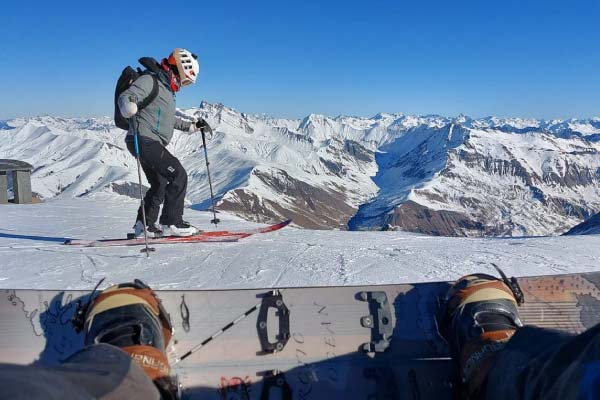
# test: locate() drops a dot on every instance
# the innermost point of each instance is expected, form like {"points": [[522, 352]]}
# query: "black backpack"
{"points": [[128, 76]]}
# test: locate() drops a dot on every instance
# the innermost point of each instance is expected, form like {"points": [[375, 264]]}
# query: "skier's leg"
{"points": [[99, 371], [157, 158], [172, 214], [540, 363], [175, 191], [154, 196]]}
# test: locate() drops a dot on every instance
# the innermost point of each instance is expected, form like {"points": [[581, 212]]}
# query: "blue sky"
{"points": [[288, 59]]}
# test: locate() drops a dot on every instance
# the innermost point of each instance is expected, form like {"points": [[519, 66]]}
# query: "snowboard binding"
{"points": [[131, 316], [479, 317]]}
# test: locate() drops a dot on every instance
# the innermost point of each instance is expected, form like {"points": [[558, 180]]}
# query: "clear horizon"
{"points": [[326, 115], [535, 60]]}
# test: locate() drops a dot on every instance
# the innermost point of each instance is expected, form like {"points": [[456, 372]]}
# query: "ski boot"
{"points": [[183, 228], [153, 230], [480, 316], [130, 316]]}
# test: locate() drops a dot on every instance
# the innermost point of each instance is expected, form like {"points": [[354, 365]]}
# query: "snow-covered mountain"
{"points": [[487, 177], [429, 174]]}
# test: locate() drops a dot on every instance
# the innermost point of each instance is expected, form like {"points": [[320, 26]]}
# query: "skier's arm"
{"points": [[199, 126], [134, 95], [183, 125]]}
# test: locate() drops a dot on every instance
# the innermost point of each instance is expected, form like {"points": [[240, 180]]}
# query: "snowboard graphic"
{"points": [[353, 342]]}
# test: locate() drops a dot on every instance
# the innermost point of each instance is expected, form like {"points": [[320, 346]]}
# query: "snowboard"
{"points": [[208, 236], [351, 342]]}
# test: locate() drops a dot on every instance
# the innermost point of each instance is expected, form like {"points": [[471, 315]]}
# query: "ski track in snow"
{"points": [[289, 263], [33, 257]]}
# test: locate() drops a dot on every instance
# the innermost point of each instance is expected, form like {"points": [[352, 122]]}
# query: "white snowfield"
{"points": [[32, 254]]}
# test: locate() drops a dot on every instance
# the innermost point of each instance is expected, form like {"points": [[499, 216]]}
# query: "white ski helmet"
{"points": [[186, 64]]}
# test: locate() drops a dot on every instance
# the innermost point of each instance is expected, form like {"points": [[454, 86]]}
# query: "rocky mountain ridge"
{"points": [[428, 174]]}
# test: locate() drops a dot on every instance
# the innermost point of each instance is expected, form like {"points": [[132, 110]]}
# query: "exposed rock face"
{"points": [[414, 217], [309, 206]]}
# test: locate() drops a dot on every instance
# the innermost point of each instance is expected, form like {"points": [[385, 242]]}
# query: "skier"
{"points": [[498, 358], [154, 126]]}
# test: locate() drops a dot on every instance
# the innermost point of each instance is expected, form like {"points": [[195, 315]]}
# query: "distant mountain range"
{"points": [[428, 174]]}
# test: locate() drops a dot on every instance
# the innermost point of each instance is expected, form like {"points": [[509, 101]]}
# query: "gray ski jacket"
{"points": [[157, 120]]}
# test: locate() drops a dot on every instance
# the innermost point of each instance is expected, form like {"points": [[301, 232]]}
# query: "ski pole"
{"points": [[217, 333], [147, 250], [220, 331], [212, 197]]}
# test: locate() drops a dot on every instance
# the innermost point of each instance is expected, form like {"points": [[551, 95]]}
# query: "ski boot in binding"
{"points": [[182, 228], [130, 316], [153, 231], [480, 316]]}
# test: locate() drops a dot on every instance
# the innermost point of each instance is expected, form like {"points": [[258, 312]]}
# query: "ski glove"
{"points": [[202, 126], [128, 109]]}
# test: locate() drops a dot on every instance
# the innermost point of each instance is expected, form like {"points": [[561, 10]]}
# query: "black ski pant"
{"points": [[168, 182], [546, 364]]}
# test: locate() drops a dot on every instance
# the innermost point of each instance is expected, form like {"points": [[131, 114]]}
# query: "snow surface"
{"points": [[33, 257]]}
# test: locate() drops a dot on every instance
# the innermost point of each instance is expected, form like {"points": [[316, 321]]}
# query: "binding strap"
{"points": [[513, 285]]}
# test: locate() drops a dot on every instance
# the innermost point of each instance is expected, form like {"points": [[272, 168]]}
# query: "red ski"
{"points": [[210, 236]]}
